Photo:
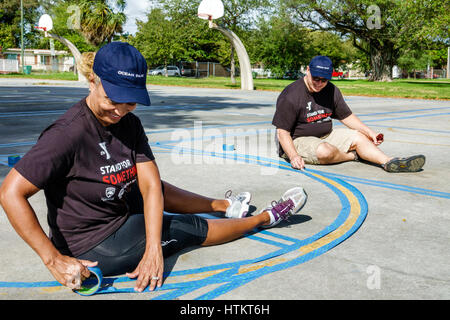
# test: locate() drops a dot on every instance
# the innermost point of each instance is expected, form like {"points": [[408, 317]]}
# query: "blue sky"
{"points": [[135, 9]]}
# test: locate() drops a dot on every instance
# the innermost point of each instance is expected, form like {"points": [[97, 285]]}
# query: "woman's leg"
{"points": [[225, 230], [177, 200]]}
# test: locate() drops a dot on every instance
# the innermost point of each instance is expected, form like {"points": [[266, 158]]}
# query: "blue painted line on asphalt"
{"points": [[276, 235], [385, 184], [410, 117], [382, 184], [249, 277], [412, 129], [267, 241], [230, 277], [17, 144], [375, 183], [401, 111]]}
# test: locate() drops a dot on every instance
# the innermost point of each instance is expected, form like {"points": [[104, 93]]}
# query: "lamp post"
{"points": [[448, 63], [213, 9], [22, 47]]}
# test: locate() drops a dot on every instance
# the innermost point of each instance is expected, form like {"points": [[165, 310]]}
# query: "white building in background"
{"points": [[40, 59]]}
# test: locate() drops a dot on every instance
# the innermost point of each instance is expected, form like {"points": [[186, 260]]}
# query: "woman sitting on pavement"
{"points": [[103, 189]]}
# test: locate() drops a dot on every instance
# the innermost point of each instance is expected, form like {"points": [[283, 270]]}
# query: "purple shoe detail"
{"points": [[280, 211]]}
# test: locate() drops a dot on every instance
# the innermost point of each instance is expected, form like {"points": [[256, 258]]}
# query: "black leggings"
{"points": [[122, 251]]}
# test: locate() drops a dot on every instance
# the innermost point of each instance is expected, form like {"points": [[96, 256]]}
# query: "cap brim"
{"points": [[320, 73], [126, 95]]}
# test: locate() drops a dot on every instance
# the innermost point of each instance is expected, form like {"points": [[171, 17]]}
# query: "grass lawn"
{"points": [[43, 75], [404, 88]]}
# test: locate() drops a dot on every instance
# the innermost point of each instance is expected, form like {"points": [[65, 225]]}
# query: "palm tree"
{"points": [[99, 22]]}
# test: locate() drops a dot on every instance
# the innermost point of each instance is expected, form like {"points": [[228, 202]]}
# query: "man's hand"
{"points": [[297, 162]]}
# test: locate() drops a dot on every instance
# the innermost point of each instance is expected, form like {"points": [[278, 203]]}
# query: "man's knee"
{"points": [[326, 152], [359, 139]]}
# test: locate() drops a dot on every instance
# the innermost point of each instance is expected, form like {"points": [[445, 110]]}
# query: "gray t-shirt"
{"points": [[88, 174], [303, 113]]}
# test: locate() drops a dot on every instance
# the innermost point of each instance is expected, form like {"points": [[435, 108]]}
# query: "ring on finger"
{"points": [[155, 278]]}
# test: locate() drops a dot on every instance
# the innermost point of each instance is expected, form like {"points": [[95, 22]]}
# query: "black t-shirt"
{"points": [[88, 174], [303, 113]]}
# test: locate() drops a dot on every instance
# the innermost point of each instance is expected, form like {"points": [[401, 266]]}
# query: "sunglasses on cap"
{"points": [[317, 79]]}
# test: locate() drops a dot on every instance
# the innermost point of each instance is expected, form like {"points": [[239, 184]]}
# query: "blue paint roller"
{"points": [[12, 160], [228, 147]]}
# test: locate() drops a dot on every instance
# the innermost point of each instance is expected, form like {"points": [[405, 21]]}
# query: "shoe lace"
{"points": [[279, 206], [229, 195]]}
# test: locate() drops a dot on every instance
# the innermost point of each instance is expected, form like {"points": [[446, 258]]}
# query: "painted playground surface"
{"points": [[363, 234]]}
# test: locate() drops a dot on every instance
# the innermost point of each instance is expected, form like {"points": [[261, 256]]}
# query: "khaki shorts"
{"points": [[341, 138]]}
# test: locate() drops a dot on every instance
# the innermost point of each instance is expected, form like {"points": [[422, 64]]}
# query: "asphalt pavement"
{"points": [[363, 234]]}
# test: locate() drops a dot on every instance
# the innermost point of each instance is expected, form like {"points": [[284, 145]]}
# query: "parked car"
{"points": [[187, 72], [293, 75], [337, 74], [161, 71]]}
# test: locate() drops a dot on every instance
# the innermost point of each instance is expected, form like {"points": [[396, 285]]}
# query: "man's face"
{"points": [[315, 84]]}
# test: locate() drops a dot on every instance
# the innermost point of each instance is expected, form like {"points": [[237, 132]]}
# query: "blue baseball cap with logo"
{"points": [[123, 72], [321, 66]]}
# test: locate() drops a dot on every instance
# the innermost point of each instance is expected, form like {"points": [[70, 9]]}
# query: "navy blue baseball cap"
{"points": [[123, 72], [321, 66]]}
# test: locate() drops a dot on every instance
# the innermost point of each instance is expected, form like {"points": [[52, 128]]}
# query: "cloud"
{"points": [[135, 9]]}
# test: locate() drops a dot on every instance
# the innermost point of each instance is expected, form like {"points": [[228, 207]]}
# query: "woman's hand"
{"points": [[69, 271], [150, 269]]}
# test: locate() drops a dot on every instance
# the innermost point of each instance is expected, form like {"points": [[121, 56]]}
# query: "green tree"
{"points": [[341, 52], [10, 23], [87, 23], [99, 22], [158, 39], [412, 60], [379, 28], [173, 32], [238, 17], [280, 45]]}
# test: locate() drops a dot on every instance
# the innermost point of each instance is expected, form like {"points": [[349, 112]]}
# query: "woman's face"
{"points": [[106, 111]]}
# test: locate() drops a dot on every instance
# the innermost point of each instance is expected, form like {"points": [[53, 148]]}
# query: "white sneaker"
{"points": [[298, 196], [291, 202], [239, 205]]}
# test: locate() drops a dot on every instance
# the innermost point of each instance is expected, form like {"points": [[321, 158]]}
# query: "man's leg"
{"points": [[368, 151], [328, 154]]}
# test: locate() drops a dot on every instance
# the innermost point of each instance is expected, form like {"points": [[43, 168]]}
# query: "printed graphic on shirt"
{"points": [[104, 150], [109, 193], [317, 115], [121, 172]]}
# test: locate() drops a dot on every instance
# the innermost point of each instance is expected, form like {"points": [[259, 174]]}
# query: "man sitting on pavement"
{"points": [[305, 132]]}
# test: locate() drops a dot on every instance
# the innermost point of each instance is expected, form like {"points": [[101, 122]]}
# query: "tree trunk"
{"points": [[232, 67], [381, 60]]}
